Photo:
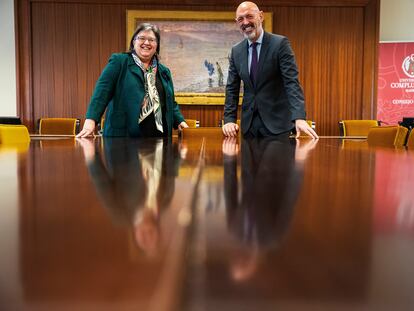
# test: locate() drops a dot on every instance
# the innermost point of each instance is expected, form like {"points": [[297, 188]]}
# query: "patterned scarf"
{"points": [[151, 101]]}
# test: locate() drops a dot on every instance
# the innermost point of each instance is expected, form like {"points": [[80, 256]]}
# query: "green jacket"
{"points": [[121, 88]]}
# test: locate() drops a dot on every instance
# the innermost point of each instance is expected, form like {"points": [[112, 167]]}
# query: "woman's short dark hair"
{"points": [[145, 27]]}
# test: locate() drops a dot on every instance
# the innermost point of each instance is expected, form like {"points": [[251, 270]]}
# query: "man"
{"points": [[273, 101]]}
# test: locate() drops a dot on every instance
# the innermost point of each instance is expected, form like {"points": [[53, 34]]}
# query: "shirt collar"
{"points": [[259, 40]]}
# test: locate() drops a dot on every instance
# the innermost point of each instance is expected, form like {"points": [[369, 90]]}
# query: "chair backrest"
{"points": [[13, 134], [356, 127], [58, 126], [192, 123], [410, 141], [387, 136], [10, 120], [101, 125], [311, 123]]}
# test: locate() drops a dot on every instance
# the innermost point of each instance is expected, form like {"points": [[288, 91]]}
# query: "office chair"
{"points": [[58, 126], [192, 123], [387, 136], [12, 134], [356, 127], [410, 141]]}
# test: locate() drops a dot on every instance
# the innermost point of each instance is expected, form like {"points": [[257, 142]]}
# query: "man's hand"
{"points": [[303, 127], [230, 129]]}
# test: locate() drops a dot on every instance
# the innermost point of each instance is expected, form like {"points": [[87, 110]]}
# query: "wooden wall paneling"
{"points": [[66, 59], [23, 62], [328, 52], [370, 65], [63, 61], [90, 61], [231, 3], [43, 36], [209, 116]]}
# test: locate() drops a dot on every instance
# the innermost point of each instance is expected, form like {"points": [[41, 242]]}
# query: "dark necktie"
{"points": [[254, 64]]}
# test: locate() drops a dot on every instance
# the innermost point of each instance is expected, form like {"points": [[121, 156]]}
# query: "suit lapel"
{"points": [[135, 69], [244, 64], [263, 53]]}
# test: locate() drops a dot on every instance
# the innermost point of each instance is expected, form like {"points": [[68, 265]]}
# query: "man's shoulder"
{"points": [[274, 37], [240, 45]]}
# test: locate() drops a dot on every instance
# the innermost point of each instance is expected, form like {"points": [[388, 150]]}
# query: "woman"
{"points": [[138, 91]]}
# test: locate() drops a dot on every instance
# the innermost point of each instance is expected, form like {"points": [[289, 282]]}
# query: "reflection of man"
{"points": [[273, 102], [135, 181], [271, 179]]}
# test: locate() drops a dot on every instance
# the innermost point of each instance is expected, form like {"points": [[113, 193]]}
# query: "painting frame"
{"points": [[193, 98]]}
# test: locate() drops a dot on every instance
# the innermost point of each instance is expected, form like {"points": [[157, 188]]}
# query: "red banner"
{"points": [[395, 82]]}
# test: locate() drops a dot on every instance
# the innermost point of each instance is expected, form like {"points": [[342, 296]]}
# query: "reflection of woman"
{"points": [[138, 91], [135, 182]]}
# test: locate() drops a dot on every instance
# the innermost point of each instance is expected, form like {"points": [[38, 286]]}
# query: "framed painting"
{"points": [[195, 46]]}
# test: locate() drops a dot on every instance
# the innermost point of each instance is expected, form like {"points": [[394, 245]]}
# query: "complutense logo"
{"points": [[408, 66]]}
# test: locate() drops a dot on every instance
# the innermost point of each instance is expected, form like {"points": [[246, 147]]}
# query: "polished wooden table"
{"points": [[202, 223]]}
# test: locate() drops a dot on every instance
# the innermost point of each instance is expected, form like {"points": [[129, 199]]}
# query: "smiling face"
{"points": [[145, 45], [249, 19]]}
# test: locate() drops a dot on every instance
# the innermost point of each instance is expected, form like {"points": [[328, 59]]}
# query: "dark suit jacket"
{"points": [[121, 88], [277, 95]]}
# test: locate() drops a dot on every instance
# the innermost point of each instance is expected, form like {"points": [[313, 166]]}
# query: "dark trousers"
{"points": [[259, 129]]}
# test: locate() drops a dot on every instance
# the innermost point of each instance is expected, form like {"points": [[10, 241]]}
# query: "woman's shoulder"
{"points": [[120, 56], [163, 67], [164, 71]]}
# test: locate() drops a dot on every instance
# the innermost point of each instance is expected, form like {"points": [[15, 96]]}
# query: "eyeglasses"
{"points": [[241, 18], [142, 39]]}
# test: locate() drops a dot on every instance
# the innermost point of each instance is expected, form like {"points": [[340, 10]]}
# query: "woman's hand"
{"points": [[88, 129], [182, 126]]}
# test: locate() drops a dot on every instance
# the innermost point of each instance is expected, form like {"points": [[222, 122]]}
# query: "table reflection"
{"points": [[123, 224]]}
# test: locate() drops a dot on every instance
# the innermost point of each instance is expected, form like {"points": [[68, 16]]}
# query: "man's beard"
{"points": [[253, 34]]}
